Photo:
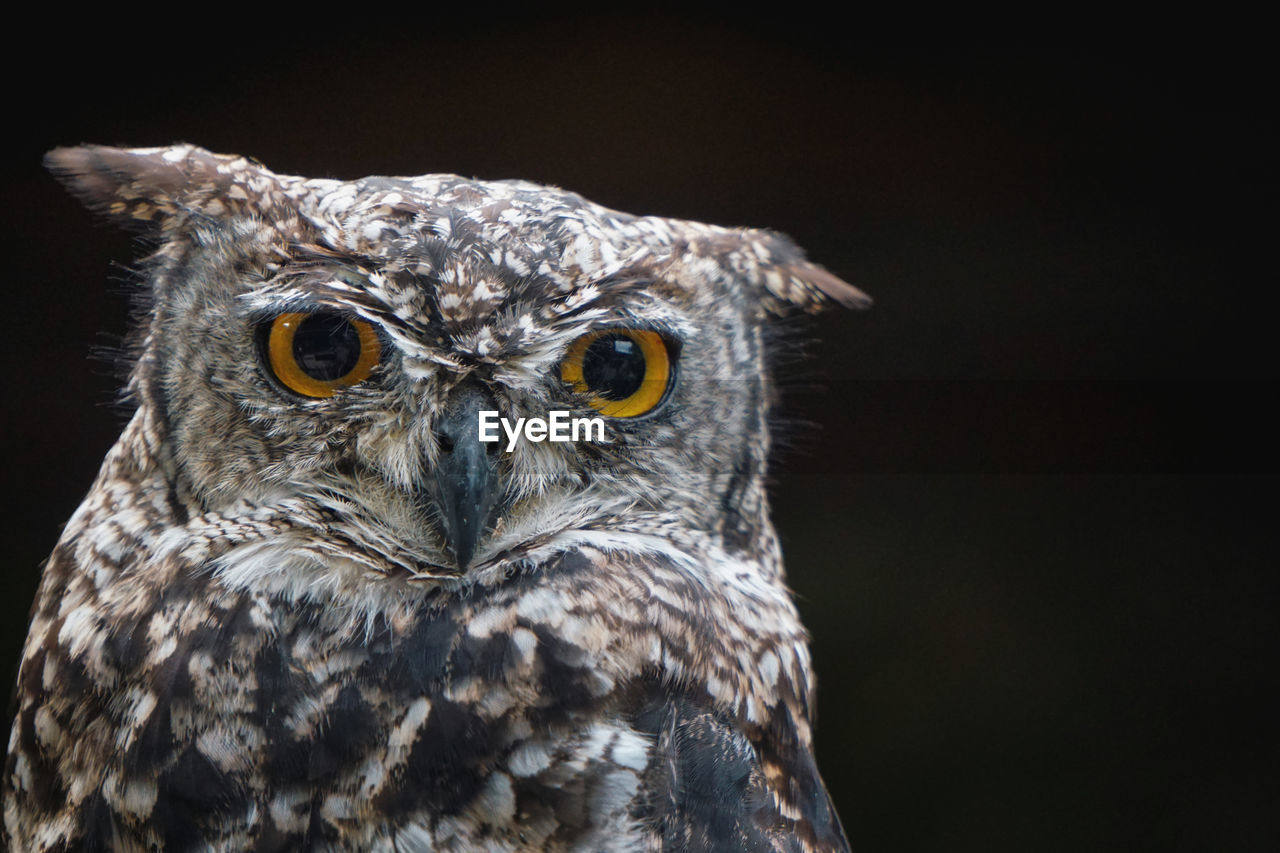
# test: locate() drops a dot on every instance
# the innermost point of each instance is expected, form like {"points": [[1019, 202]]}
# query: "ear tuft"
{"points": [[146, 188], [811, 288], [791, 281]]}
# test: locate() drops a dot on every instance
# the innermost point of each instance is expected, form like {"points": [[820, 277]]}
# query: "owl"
{"points": [[310, 604]]}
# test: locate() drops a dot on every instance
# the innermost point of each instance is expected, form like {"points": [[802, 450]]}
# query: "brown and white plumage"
{"points": [[267, 627]]}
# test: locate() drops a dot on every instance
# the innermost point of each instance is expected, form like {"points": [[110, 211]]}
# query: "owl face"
{"points": [[322, 351]]}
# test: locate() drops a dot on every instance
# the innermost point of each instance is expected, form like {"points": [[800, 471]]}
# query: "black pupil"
{"points": [[613, 367], [326, 346]]}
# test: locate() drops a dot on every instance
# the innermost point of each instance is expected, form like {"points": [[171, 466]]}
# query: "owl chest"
{"points": [[267, 731]]}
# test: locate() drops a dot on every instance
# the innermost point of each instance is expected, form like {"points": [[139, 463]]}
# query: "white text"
{"points": [[557, 426]]}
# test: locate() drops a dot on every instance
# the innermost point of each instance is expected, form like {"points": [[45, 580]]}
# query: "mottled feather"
{"points": [[258, 632]]}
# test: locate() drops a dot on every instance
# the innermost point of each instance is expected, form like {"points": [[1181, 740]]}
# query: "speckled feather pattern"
{"points": [[251, 636]]}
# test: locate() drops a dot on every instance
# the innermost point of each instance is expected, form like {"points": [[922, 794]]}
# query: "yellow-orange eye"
{"points": [[317, 353], [627, 371]]}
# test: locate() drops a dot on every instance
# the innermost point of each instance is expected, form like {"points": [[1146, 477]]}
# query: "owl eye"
{"points": [[317, 353], [627, 371]]}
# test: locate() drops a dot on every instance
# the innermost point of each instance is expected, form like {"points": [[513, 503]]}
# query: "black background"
{"points": [[1030, 522]]}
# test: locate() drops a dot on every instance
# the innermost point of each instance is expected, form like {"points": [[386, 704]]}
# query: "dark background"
{"points": [[1031, 523]]}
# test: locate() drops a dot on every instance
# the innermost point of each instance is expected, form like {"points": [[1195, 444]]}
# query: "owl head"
{"points": [[319, 354]]}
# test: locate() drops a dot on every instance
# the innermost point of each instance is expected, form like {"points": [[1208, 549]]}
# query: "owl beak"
{"points": [[466, 477]]}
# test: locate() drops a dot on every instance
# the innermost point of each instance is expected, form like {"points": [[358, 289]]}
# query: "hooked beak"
{"points": [[466, 487]]}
